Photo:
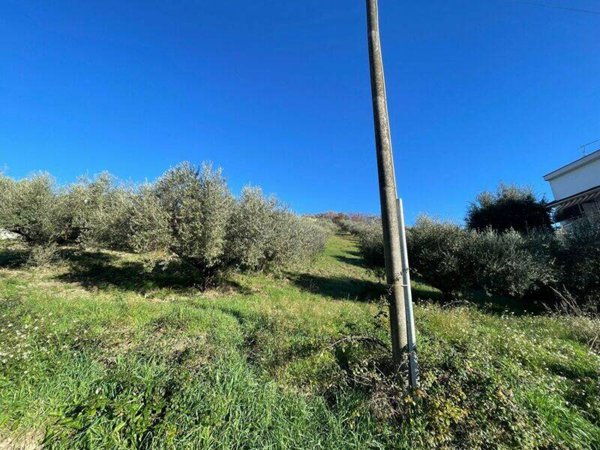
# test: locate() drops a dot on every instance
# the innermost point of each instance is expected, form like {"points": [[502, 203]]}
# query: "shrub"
{"points": [[453, 259], [112, 215], [335, 217], [511, 207], [342, 220], [43, 255], [436, 252], [356, 223], [328, 225], [198, 205], [517, 264], [352, 226], [370, 245], [311, 237], [578, 255], [369, 234], [508, 263]]}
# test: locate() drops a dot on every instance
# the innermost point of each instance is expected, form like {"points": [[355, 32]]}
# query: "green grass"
{"points": [[102, 352]]}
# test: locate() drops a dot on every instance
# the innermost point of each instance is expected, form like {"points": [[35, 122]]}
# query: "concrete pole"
{"points": [[387, 190]]}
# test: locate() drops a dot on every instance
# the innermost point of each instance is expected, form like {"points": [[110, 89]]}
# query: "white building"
{"points": [[576, 188]]}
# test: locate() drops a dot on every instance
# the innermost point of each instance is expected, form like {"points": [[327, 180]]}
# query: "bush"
{"points": [[356, 223], [453, 259], [370, 245], [264, 235], [328, 225], [511, 207], [346, 222], [578, 255], [369, 233], [43, 255], [112, 215], [436, 253], [507, 263], [516, 263]]}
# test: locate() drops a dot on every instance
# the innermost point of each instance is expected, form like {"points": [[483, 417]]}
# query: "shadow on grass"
{"points": [[13, 258], [490, 304], [352, 257], [422, 291], [97, 270], [340, 287]]}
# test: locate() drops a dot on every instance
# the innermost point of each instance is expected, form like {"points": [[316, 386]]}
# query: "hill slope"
{"points": [[102, 352]]}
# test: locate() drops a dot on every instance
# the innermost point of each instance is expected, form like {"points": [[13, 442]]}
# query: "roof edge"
{"points": [[574, 196], [573, 165]]}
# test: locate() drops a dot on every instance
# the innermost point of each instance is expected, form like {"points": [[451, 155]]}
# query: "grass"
{"points": [[102, 352]]}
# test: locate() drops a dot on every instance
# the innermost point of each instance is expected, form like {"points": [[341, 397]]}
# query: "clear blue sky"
{"points": [[277, 93]]}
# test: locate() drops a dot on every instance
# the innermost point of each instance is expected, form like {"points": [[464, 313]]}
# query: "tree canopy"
{"points": [[510, 207]]}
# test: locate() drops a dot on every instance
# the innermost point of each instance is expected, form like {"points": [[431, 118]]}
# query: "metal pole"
{"points": [[387, 190], [413, 367]]}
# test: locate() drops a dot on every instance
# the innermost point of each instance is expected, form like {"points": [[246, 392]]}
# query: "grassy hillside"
{"points": [[103, 352]]}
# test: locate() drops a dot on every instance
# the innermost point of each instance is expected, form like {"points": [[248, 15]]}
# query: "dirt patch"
{"points": [[30, 440]]}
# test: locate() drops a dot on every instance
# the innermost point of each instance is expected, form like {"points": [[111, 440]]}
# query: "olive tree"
{"points": [[103, 209], [149, 222], [437, 255], [35, 209], [508, 263], [294, 240], [198, 205], [251, 230]]}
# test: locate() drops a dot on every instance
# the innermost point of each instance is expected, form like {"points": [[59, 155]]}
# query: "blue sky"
{"points": [[277, 93]]}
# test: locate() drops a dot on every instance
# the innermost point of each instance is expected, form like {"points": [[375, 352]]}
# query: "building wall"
{"points": [[577, 180]]}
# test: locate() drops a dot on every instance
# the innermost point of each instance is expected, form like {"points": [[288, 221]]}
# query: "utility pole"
{"points": [[387, 191]]}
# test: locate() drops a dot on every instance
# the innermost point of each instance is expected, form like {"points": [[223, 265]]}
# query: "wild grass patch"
{"points": [[268, 364]]}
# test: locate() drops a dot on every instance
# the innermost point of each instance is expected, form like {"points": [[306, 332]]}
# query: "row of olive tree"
{"points": [[537, 264], [508, 247], [455, 259], [189, 211]]}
